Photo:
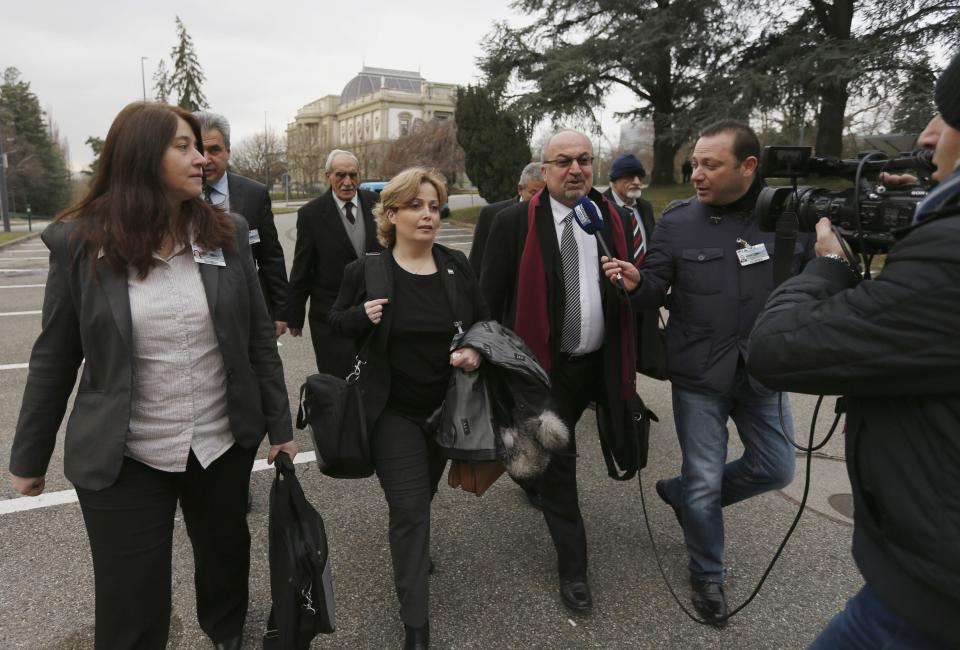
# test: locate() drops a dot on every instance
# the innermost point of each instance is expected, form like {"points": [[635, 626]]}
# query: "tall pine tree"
{"points": [[187, 77], [495, 143], [37, 173]]}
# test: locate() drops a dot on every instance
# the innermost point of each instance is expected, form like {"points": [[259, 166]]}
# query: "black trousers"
{"points": [[335, 354], [130, 527], [409, 467], [576, 381]]}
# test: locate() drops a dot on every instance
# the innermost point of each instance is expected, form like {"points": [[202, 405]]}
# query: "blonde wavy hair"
{"points": [[399, 193]]}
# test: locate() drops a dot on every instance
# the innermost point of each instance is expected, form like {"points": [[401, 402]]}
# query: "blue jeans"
{"points": [[867, 624], [707, 482]]}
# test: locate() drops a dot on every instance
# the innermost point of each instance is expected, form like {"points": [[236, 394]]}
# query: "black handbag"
{"points": [[333, 407], [652, 345], [301, 586]]}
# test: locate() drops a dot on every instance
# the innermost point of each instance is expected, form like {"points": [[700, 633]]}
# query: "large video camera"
{"points": [[865, 213]]}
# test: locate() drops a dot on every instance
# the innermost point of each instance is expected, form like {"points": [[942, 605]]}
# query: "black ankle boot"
{"points": [[417, 638]]}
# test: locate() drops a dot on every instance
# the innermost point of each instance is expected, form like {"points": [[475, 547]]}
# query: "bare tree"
{"points": [[430, 144], [305, 158], [262, 157]]}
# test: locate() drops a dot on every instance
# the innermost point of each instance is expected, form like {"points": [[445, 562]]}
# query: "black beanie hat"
{"points": [[947, 94]]}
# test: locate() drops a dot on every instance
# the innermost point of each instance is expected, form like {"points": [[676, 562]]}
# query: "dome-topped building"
{"points": [[375, 107], [370, 80]]}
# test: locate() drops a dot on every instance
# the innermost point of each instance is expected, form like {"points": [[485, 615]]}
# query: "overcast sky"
{"points": [[82, 59]]}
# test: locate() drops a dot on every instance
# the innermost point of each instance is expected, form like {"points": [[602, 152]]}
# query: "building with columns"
{"points": [[375, 107]]}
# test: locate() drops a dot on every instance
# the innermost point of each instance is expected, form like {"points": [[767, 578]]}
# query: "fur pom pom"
{"points": [[552, 432]]}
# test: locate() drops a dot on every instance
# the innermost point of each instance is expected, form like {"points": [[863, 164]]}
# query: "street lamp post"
{"points": [[4, 209], [143, 79]]}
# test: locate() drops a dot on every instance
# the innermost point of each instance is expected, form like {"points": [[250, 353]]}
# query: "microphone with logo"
{"points": [[587, 215]]}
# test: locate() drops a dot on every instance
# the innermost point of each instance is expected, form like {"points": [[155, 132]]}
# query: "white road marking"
{"points": [[20, 313], [14, 366], [22, 286], [39, 268], [22, 504], [23, 259]]}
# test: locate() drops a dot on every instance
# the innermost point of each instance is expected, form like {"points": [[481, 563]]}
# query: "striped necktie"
{"points": [[570, 261], [639, 245]]}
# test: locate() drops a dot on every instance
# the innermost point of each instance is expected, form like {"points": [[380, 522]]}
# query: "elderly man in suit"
{"points": [[332, 231], [531, 182], [251, 200], [626, 185], [546, 281]]}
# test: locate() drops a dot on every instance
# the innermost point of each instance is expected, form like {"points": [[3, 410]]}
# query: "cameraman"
{"points": [[892, 347]]}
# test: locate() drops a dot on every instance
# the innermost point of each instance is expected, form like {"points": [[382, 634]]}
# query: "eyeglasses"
{"points": [[563, 162]]}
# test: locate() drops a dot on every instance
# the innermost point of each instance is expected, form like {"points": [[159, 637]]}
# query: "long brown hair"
{"points": [[126, 213]]}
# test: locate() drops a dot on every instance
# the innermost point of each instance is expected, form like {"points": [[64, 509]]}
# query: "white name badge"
{"points": [[214, 257], [752, 254], [254, 236]]}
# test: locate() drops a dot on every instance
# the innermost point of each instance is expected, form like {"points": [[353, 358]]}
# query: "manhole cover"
{"points": [[842, 503]]}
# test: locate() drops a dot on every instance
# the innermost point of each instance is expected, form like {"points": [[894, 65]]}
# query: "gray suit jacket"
{"points": [[89, 319]]}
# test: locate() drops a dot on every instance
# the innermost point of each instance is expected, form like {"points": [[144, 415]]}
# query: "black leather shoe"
{"points": [[662, 493], [576, 595], [416, 638], [231, 644], [710, 601]]}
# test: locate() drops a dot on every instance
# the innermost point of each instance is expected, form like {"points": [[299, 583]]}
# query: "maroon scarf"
{"points": [[533, 322]]}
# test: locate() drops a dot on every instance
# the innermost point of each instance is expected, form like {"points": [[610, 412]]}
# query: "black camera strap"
{"points": [[783, 245]]}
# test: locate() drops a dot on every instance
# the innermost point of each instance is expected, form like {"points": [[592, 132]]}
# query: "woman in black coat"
{"points": [[432, 296]]}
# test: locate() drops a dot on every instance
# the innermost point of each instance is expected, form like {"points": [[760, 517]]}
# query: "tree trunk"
{"points": [[833, 106], [836, 21], [664, 150]]}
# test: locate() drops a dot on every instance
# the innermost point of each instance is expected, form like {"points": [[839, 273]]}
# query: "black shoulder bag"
{"points": [[333, 407]]}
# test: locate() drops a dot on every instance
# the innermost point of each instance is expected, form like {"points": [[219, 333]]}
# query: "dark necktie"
{"points": [[348, 210], [570, 262], [206, 194]]}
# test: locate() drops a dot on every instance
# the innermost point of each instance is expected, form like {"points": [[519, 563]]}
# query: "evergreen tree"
{"points": [[187, 77], [675, 56], [96, 145], [37, 173], [831, 51], [915, 105], [495, 143], [161, 83]]}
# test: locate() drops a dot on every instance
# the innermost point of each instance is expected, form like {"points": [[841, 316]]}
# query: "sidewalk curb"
{"points": [[32, 235]]}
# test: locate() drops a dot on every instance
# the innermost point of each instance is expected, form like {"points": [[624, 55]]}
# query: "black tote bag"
{"points": [[300, 581]]}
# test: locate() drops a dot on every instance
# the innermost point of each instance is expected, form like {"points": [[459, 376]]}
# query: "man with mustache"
{"points": [[332, 230], [545, 280]]}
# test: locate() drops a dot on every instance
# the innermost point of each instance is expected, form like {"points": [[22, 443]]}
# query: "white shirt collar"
{"points": [[355, 201], [221, 185], [560, 211]]}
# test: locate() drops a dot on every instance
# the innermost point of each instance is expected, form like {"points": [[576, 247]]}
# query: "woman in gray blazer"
{"points": [[156, 292]]}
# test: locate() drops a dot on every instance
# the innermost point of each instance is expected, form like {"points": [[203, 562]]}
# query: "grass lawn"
{"points": [[11, 236], [466, 216]]}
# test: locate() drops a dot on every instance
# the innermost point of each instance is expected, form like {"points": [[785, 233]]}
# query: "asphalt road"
{"points": [[495, 584]]}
